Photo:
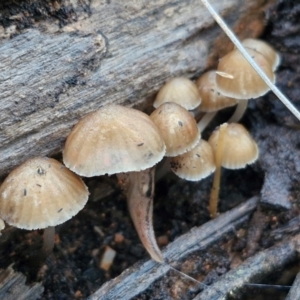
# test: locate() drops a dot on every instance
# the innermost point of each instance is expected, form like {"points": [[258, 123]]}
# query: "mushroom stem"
{"points": [[163, 169], [254, 65], [139, 189], [205, 120], [48, 240], [239, 111], [214, 195]]}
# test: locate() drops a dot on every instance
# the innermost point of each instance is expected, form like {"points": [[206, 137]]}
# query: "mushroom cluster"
{"points": [[42, 193], [235, 81]]}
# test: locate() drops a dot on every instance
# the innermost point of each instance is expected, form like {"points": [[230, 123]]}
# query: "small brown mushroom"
{"points": [[237, 79], [212, 99], [265, 49], [179, 90], [195, 164], [234, 148], [117, 139], [177, 127], [41, 193]]}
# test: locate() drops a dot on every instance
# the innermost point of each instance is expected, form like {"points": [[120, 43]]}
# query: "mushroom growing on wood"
{"points": [[177, 127], [265, 49], [237, 79], [41, 193], [179, 90], [234, 148], [123, 141], [195, 164], [212, 99]]}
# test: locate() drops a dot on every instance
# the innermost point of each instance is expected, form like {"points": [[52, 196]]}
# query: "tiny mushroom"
{"points": [[236, 78], [179, 90], [212, 99], [265, 49], [234, 148], [195, 164], [177, 126], [117, 139], [41, 193]]}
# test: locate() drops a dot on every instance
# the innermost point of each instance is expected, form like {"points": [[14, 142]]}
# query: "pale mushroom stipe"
{"points": [[234, 148]]}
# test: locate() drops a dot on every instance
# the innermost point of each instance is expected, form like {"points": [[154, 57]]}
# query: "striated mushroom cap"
{"points": [[265, 49], [40, 193], [113, 139], [177, 127], [179, 90], [212, 99], [237, 79], [195, 164], [239, 148]]}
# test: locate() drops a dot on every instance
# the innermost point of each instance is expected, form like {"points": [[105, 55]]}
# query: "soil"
{"points": [[73, 270]]}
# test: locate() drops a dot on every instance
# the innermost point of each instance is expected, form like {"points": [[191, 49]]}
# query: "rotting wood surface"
{"points": [[12, 286], [118, 52]]}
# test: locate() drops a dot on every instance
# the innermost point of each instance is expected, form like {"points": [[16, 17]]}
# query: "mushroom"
{"points": [[41, 193], [179, 90], [117, 139], [195, 164], [212, 99], [177, 127], [234, 148], [237, 79], [265, 49]]}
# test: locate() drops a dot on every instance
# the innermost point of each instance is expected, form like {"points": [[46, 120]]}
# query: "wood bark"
{"points": [[12, 286], [117, 52]]}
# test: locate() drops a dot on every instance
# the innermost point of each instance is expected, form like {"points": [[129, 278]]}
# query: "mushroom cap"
{"points": [[265, 49], [113, 139], [40, 193], [239, 147], [195, 164], [179, 90], [244, 83], [211, 99], [177, 126]]}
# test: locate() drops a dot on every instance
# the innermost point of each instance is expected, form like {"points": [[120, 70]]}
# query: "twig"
{"points": [[254, 268]]}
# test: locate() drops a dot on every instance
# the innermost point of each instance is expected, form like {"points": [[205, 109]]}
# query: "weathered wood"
{"points": [[120, 53], [254, 268], [12, 286], [294, 292], [139, 277]]}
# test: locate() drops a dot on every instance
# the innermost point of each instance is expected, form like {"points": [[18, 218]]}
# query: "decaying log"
{"points": [[118, 52], [139, 277], [12, 286]]}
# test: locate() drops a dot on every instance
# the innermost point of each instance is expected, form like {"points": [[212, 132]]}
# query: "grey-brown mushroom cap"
{"points": [[195, 164], [113, 139], [40, 193], [237, 79], [179, 90], [212, 99], [177, 126], [265, 49], [239, 149]]}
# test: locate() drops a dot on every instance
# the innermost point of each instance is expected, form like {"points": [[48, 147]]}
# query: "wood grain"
{"points": [[119, 52]]}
